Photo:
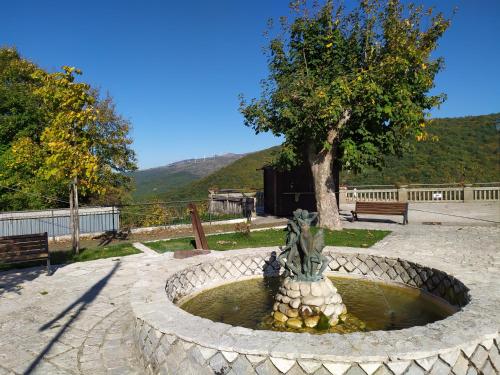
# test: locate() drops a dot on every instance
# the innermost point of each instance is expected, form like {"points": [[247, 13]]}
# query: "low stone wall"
{"points": [[172, 340]]}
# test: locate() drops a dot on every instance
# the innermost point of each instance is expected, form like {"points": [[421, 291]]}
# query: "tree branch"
{"points": [[334, 132]]}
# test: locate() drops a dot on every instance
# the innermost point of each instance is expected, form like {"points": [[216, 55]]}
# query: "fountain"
{"points": [[306, 297], [312, 310]]}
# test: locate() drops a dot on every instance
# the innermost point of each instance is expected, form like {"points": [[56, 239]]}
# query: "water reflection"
{"points": [[371, 305]]}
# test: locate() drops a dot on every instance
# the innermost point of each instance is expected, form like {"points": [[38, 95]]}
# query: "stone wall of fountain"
{"points": [[168, 337]]}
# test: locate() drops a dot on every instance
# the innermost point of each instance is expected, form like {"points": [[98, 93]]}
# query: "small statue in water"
{"points": [[301, 257], [305, 298]]}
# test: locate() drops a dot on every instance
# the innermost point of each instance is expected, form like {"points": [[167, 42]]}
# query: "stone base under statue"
{"points": [[307, 303]]}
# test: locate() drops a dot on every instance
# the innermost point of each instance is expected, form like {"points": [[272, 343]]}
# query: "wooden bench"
{"points": [[381, 208], [25, 248]]}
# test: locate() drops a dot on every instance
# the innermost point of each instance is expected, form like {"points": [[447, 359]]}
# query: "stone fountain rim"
{"points": [[458, 331]]}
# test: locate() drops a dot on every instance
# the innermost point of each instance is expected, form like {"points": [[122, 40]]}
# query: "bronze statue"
{"points": [[301, 257]]}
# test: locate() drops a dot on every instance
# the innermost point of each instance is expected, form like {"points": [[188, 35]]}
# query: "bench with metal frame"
{"points": [[25, 248], [381, 208]]}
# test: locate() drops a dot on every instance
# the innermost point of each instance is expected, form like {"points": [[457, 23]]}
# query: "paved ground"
{"points": [[476, 214], [77, 320]]}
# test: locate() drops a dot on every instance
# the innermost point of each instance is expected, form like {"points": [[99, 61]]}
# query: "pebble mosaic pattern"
{"points": [[392, 270]]}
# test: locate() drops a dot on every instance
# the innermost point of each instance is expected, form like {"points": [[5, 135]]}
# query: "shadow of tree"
{"points": [[12, 281], [81, 303], [109, 236]]}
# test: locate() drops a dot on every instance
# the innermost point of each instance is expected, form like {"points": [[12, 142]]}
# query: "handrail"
{"points": [[467, 193]]}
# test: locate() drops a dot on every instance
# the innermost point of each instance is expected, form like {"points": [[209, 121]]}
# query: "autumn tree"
{"points": [[84, 144], [49, 124], [347, 88], [21, 115]]}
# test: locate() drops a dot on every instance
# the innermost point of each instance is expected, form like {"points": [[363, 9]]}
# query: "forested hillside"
{"points": [[150, 183], [244, 173], [467, 150]]}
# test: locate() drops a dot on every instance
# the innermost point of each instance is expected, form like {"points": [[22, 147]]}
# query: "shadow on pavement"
{"points": [[13, 280], [82, 303]]}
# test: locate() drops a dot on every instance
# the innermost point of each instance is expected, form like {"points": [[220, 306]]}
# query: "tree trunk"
{"points": [[325, 170], [322, 167], [77, 217], [74, 217]]}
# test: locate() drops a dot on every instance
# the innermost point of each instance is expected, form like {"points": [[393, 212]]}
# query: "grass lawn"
{"points": [[94, 253], [67, 256], [270, 237]]}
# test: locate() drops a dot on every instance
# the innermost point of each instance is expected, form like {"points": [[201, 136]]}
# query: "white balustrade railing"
{"points": [[487, 193], [432, 195], [422, 193], [372, 195]]}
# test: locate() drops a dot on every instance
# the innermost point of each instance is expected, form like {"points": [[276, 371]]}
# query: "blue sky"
{"points": [[175, 68]]}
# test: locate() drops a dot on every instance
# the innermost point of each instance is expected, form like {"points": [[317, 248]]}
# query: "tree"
{"points": [[21, 115], [84, 145], [35, 115], [346, 88]]}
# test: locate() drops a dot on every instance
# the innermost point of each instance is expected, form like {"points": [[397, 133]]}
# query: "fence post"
{"points": [[113, 216], [254, 211], [342, 195], [468, 193], [403, 194], [53, 227]]}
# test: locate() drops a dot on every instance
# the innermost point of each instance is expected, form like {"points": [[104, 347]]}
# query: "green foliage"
{"points": [[323, 323], [94, 253], [54, 130], [243, 174], [20, 109], [352, 84], [87, 254], [467, 150], [21, 116], [271, 237], [160, 213], [155, 182]]}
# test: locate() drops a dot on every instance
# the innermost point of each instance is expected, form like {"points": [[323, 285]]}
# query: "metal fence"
{"points": [[158, 214], [56, 222], [97, 220]]}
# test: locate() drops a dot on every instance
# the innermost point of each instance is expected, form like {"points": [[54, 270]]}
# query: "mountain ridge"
{"points": [[151, 182], [468, 150]]}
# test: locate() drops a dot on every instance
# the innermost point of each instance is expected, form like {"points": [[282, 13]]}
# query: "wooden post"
{"points": [[199, 234]]}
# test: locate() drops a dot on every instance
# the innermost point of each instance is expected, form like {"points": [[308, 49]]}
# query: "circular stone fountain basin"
{"points": [[168, 337], [371, 305]]}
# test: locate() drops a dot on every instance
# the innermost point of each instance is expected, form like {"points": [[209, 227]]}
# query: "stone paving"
{"points": [[78, 321], [464, 343]]}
